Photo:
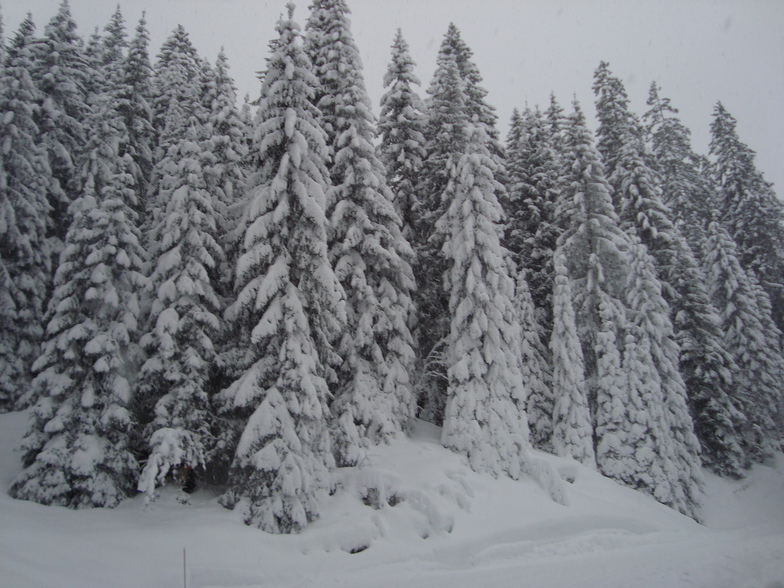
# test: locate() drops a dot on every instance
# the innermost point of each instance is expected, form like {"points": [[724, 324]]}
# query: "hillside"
{"points": [[439, 524]]}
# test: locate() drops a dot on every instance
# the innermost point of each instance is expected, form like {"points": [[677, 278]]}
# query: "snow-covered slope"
{"points": [[414, 515]]}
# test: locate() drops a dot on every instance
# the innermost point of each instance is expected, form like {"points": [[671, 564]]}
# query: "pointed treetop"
{"points": [[115, 40], [23, 35]]}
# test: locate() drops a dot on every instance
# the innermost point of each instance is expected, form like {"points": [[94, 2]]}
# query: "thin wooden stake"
{"points": [[184, 574]]}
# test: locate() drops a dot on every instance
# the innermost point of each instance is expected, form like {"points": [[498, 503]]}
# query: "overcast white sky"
{"points": [[699, 51]]}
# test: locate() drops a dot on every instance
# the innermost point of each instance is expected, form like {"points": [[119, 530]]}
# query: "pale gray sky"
{"points": [[699, 51]]}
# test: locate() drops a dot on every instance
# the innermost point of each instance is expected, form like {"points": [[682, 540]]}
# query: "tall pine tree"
{"points": [[401, 127], [62, 74], [290, 305], [571, 428], [445, 142], [749, 209], [485, 416], [25, 259], [536, 370], [185, 256], [373, 399], [704, 364], [136, 93], [689, 196], [226, 172], [534, 170], [757, 380], [77, 450]]}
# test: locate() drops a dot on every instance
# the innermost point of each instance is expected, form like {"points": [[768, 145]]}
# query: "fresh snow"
{"points": [[426, 520]]}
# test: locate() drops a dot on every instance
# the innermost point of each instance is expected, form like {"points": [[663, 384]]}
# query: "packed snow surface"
{"points": [[412, 515]]}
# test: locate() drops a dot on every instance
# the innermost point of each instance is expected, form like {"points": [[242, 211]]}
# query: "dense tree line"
{"points": [[193, 294]]}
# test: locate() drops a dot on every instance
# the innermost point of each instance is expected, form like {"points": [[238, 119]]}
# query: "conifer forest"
{"points": [[197, 292]]}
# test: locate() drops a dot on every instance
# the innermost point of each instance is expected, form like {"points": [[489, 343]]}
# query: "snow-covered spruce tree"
{"points": [[76, 452], [114, 44], [596, 252], [445, 142], [177, 86], [516, 228], [656, 355], [704, 365], [484, 417], [225, 175], [749, 209], [176, 53], [535, 364], [185, 258], [61, 72], [690, 198], [401, 127], [571, 427], [478, 111], [533, 171], [535, 368], [556, 122], [291, 303], [25, 259], [757, 380], [177, 78], [135, 106], [615, 119], [373, 399], [707, 366], [611, 275]]}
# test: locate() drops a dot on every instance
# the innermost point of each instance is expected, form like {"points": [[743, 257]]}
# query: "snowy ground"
{"points": [[416, 516]]}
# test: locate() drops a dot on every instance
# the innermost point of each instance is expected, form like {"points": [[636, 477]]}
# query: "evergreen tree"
{"points": [[572, 432], [136, 108], [114, 42], [749, 209], [445, 142], [705, 366], [401, 127], [373, 399], [23, 45], [226, 173], [595, 247], [555, 122], [289, 307], [656, 356], [485, 415], [534, 171], [61, 72], [774, 351], [684, 190], [610, 274], [176, 107], [445, 134], [455, 97], [535, 368], [177, 77], [185, 256], [477, 109], [520, 225], [615, 120], [77, 448], [757, 380], [25, 258]]}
